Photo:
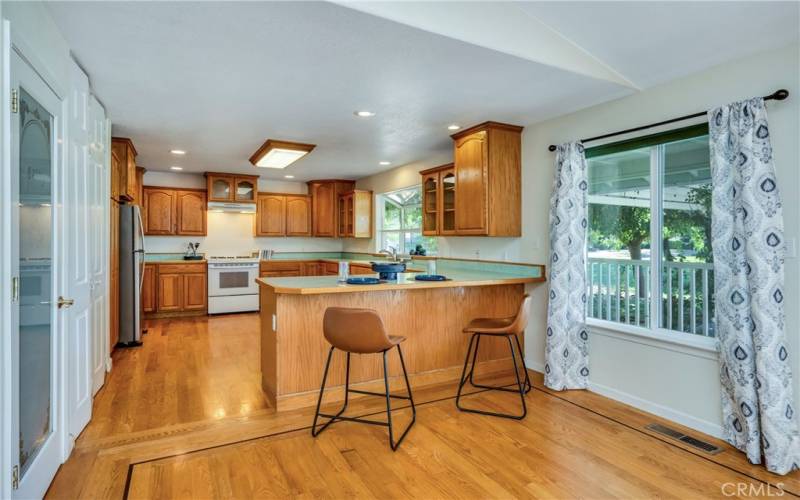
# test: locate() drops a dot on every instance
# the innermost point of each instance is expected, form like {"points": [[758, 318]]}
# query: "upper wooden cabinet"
{"points": [[271, 215], [438, 201], [191, 213], [126, 173], [139, 199], [325, 205], [167, 211], [159, 210], [283, 215], [480, 194], [298, 215], [355, 214], [231, 188]]}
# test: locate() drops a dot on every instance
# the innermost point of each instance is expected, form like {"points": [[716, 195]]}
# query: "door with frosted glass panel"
{"points": [[35, 123]]}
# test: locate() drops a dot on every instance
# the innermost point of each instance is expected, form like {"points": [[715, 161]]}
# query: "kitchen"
{"points": [[484, 229]]}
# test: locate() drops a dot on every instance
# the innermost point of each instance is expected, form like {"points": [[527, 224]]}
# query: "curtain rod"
{"points": [[778, 95]]}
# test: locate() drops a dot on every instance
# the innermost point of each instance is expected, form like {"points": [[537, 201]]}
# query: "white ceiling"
{"points": [[218, 78]]}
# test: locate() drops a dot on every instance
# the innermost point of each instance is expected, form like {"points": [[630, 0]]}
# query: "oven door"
{"points": [[225, 281]]}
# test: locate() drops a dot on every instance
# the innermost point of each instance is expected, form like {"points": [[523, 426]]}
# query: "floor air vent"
{"points": [[679, 436]]}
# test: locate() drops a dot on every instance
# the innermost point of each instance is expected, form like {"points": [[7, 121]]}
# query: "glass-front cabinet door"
{"points": [[448, 180], [245, 189], [430, 202], [220, 188]]}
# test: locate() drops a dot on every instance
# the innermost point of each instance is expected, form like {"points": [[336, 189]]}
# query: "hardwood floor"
{"points": [[188, 370], [153, 436]]}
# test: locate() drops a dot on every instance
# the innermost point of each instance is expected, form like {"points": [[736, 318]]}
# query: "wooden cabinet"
{"points": [[283, 215], [312, 268], [160, 211], [271, 215], [330, 268], [361, 269], [126, 174], [149, 294], [139, 199], [480, 193], [231, 188], [355, 214], [167, 211], [487, 166], [175, 289], [195, 292], [191, 213], [298, 215], [113, 281], [170, 292], [438, 201], [325, 205], [276, 268]]}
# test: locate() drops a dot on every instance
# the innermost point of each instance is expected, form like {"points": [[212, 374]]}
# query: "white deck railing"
{"points": [[619, 291]]}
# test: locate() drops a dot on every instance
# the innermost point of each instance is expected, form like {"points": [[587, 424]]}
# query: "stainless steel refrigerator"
{"points": [[131, 275]]}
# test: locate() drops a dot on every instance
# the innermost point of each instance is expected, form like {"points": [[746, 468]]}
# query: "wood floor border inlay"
{"points": [[544, 390]]}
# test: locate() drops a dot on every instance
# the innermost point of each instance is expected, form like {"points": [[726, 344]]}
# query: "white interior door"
{"points": [[36, 349], [78, 250], [99, 180]]}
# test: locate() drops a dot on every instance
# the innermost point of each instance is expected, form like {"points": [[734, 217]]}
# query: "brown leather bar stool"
{"points": [[498, 327], [361, 331]]}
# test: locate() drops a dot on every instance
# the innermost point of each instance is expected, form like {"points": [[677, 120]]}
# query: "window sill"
{"points": [[684, 343]]}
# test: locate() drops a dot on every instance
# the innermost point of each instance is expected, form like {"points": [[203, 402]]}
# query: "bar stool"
{"points": [[361, 331], [498, 327]]}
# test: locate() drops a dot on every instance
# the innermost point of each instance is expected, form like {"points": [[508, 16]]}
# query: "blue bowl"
{"points": [[363, 281], [430, 277]]}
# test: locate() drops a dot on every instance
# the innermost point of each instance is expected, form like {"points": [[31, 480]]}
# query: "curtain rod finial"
{"points": [[780, 94]]}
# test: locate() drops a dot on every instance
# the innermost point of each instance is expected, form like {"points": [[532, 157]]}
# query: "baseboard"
{"points": [[710, 428]]}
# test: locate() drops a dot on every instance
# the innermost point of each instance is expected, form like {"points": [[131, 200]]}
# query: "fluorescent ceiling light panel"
{"points": [[279, 154], [177, 151]]}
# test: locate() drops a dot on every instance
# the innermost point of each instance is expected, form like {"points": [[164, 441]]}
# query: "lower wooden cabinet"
{"points": [[175, 289], [148, 298]]}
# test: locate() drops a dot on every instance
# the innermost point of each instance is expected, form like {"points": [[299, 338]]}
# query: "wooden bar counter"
{"points": [[431, 315]]}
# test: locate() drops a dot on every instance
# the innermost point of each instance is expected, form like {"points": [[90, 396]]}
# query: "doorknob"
{"points": [[62, 302]]}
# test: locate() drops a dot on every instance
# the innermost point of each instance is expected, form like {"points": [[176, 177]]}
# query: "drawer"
{"points": [[181, 268], [331, 268], [272, 266], [359, 269]]}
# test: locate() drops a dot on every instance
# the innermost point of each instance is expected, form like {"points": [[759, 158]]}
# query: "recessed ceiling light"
{"points": [[453, 127], [289, 176], [176, 168], [177, 151], [384, 163], [364, 114], [280, 154]]}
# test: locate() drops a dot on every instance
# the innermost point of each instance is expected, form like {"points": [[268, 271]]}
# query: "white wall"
{"points": [[679, 383], [232, 234]]}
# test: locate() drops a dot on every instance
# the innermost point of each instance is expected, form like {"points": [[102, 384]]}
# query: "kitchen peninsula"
{"points": [[431, 315]]}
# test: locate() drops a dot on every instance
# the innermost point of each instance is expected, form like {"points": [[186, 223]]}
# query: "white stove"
{"points": [[232, 284]]}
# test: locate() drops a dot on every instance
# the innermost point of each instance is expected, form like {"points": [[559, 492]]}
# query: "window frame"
{"points": [[655, 334], [383, 198]]}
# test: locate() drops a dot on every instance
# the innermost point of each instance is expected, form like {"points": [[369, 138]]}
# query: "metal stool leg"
{"points": [[528, 384], [521, 389], [388, 404], [331, 418], [464, 376]]}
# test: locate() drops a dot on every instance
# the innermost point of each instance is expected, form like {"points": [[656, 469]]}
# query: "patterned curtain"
{"points": [[747, 240], [567, 354]]}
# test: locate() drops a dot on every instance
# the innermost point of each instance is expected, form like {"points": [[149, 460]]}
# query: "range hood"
{"points": [[236, 208]]}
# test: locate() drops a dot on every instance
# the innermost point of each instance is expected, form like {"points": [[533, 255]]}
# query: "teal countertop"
{"points": [[311, 285]]}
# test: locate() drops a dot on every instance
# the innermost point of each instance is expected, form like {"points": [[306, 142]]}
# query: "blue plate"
{"points": [[430, 277], [363, 281]]}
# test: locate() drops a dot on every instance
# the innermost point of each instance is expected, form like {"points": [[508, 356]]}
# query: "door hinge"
{"points": [[14, 289], [14, 101], [15, 477]]}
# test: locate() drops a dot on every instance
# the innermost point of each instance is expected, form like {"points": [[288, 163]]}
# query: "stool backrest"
{"points": [[355, 330], [521, 320]]}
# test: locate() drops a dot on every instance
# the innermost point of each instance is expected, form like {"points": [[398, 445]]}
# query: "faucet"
{"points": [[391, 253]]}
